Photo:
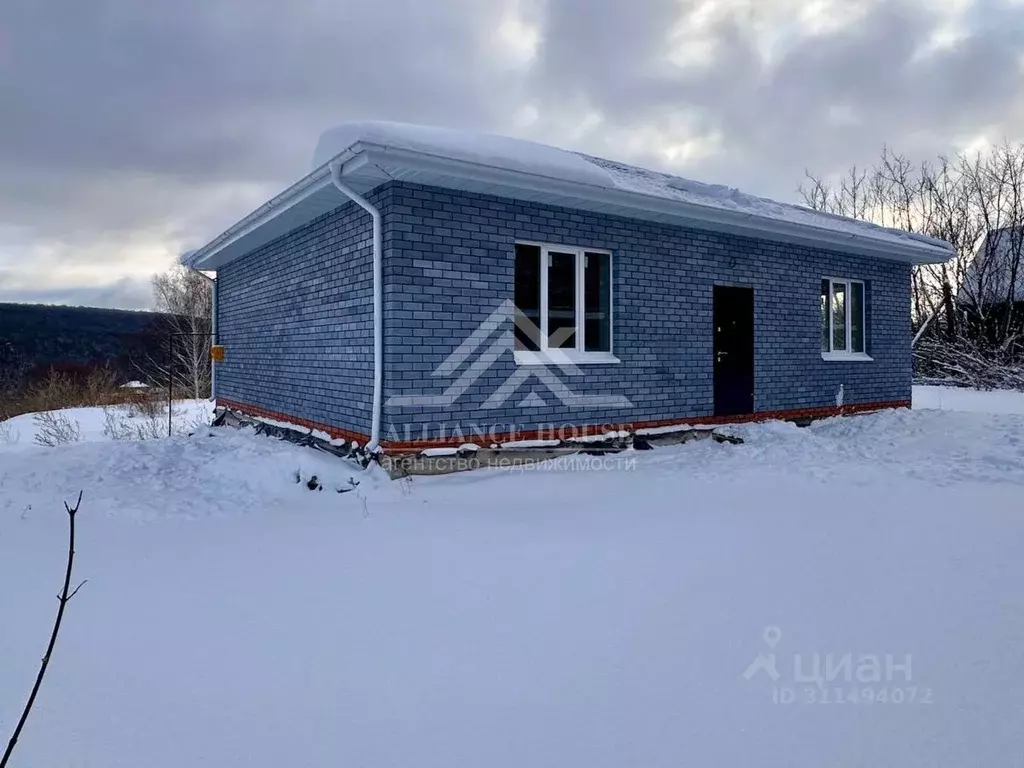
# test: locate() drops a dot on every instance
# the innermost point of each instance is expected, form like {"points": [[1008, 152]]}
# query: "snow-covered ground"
{"points": [[626, 616], [90, 422], [953, 399]]}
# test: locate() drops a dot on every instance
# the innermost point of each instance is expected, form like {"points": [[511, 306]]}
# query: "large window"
{"points": [[842, 318], [563, 299]]}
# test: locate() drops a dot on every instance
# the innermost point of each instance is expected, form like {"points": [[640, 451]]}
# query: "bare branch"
{"points": [[80, 585], [64, 597]]}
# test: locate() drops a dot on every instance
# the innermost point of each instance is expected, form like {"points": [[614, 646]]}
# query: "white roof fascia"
{"points": [[295, 194], [635, 203], [373, 160]]}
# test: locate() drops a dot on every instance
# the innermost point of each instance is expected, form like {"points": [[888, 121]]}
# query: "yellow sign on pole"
{"points": [[217, 353]]}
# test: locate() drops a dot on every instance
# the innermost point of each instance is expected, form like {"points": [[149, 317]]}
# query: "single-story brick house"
{"points": [[425, 287]]}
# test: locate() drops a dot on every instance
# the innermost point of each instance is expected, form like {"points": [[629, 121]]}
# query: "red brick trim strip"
{"points": [[336, 433], [565, 431]]}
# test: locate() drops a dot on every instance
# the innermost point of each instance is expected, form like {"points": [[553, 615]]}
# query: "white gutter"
{"points": [[885, 243], [870, 241], [305, 187], [378, 299]]}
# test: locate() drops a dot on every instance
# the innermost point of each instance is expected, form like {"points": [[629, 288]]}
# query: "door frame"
{"points": [[753, 347]]}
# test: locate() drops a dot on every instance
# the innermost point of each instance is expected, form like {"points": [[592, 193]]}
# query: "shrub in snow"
{"points": [[132, 422], [54, 428], [121, 425], [145, 404], [198, 422], [115, 424], [970, 362], [61, 390], [58, 390]]}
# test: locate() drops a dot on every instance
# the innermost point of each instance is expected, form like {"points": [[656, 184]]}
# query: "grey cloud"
{"points": [[775, 119], [126, 293], [126, 122], [203, 90], [614, 53], [200, 87], [917, 105]]}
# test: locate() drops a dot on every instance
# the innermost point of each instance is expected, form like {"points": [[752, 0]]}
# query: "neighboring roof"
{"points": [[372, 153], [987, 278]]}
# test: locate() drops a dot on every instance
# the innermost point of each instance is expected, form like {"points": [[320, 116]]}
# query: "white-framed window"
{"points": [[843, 319], [563, 300]]}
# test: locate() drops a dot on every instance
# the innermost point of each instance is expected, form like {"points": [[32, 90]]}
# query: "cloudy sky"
{"points": [[131, 131]]}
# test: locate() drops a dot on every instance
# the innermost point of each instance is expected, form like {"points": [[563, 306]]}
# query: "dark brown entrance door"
{"points": [[734, 350]]}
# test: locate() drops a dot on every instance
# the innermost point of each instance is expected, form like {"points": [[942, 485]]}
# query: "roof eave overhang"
{"points": [[638, 205], [373, 165], [206, 258]]}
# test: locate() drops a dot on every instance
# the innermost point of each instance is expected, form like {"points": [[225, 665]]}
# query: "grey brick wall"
{"points": [[296, 319], [449, 264]]}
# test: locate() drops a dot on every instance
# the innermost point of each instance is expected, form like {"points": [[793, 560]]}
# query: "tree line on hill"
{"points": [[36, 338], [57, 353]]}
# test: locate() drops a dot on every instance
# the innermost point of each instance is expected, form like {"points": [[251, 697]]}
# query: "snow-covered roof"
{"points": [[372, 153], [479, 148], [987, 278]]}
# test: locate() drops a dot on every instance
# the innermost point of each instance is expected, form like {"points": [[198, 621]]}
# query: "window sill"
{"points": [[847, 357], [564, 357]]}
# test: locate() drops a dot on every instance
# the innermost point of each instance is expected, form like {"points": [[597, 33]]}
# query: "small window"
{"points": [[842, 317], [563, 300]]}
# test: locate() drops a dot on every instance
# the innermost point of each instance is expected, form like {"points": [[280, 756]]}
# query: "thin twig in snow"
{"points": [[63, 598]]}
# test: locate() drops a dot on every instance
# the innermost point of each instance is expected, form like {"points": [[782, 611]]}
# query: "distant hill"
{"points": [[36, 337]]}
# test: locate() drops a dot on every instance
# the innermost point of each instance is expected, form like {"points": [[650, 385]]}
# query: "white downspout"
{"points": [[378, 300], [213, 340]]}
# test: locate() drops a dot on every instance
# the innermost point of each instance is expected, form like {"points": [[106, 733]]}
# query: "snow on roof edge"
{"points": [[723, 198], [531, 157], [480, 148], [544, 161]]}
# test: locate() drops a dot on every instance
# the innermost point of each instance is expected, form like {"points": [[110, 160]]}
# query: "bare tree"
{"points": [[964, 200], [976, 203], [185, 297]]}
